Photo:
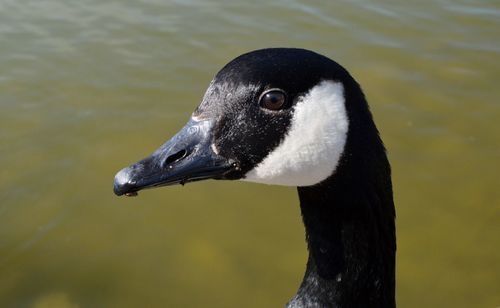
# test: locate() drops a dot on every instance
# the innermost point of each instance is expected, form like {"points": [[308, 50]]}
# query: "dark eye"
{"points": [[273, 100]]}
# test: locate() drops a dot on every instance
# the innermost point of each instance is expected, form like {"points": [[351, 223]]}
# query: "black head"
{"points": [[278, 116]]}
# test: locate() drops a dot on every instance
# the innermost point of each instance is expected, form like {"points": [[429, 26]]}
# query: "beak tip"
{"points": [[122, 184], [117, 190]]}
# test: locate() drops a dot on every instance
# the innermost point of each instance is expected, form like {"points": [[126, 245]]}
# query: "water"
{"points": [[87, 87]]}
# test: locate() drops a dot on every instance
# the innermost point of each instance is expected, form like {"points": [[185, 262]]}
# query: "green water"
{"points": [[87, 87]]}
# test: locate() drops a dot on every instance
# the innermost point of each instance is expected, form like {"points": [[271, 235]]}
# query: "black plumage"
{"points": [[349, 217]]}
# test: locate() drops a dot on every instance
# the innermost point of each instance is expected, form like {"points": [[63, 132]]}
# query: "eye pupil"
{"points": [[273, 100]]}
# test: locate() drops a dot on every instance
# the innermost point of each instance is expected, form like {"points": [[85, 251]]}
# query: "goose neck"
{"points": [[351, 242]]}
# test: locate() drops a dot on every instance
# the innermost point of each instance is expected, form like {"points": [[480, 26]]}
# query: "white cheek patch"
{"points": [[312, 148]]}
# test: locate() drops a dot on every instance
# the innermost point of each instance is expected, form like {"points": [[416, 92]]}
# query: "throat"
{"points": [[351, 242]]}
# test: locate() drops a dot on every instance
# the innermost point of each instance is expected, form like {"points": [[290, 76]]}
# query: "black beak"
{"points": [[189, 156]]}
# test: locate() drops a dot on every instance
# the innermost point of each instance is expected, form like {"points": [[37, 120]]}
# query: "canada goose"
{"points": [[293, 117]]}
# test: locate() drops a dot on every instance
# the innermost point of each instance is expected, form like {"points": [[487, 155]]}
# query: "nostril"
{"points": [[175, 157]]}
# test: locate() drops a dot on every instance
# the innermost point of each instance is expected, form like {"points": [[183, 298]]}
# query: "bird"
{"points": [[294, 117]]}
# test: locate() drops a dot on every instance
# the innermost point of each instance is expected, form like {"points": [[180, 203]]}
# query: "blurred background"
{"points": [[88, 87]]}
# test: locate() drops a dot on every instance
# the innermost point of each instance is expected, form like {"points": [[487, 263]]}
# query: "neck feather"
{"points": [[350, 232]]}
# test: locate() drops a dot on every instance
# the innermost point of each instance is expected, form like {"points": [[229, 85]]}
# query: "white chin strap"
{"points": [[313, 145]]}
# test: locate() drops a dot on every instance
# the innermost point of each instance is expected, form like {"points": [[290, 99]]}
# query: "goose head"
{"points": [[275, 116]]}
